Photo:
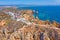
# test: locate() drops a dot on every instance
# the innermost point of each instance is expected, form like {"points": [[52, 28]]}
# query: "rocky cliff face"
{"points": [[36, 33], [27, 27]]}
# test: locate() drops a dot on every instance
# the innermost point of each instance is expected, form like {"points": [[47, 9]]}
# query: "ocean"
{"points": [[45, 12]]}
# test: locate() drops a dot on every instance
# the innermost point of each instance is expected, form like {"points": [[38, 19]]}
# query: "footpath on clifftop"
{"points": [[21, 25]]}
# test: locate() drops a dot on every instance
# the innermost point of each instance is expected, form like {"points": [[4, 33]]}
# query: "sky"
{"points": [[30, 2]]}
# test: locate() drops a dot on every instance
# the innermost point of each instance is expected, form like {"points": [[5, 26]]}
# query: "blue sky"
{"points": [[30, 2]]}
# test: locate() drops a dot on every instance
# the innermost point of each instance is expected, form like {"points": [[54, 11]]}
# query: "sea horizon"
{"points": [[44, 12]]}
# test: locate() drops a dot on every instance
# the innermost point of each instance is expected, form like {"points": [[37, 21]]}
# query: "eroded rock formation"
{"points": [[27, 27]]}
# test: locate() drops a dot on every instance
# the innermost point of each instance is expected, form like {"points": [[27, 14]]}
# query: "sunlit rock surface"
{"points": [[21, 25]]}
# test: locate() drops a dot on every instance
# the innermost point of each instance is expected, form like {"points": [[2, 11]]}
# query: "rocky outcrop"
{"points": [[21, 30], [36, 33]]}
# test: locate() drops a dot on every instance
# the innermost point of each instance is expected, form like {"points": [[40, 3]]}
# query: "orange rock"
{"points": [[29, 12], [55, 24], [2, 23], [26, 16], [47, 22], [42, 22], [39, 30]]}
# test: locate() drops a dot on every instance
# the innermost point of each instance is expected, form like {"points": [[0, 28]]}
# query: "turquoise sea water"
{"points": [[46, 12]]}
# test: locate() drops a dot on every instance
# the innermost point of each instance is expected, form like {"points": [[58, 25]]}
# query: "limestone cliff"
{"points": [[21, 25]]}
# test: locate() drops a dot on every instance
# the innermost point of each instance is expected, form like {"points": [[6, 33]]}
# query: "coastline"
{"points": [[21, 25]]}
